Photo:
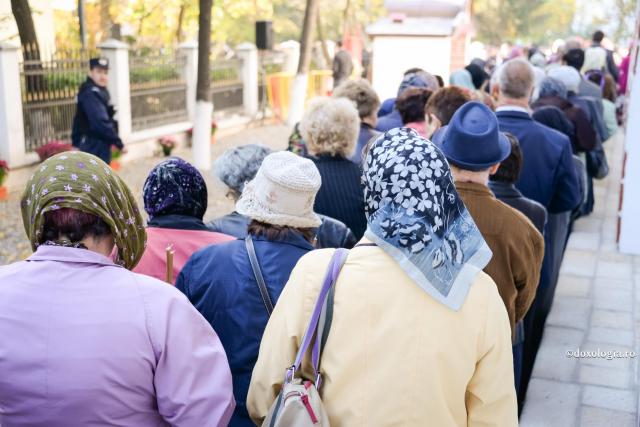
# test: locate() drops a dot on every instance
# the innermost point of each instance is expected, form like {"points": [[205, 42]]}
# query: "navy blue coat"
{"points": [[94, 129], [390, 121], [219, 282], [548, 173], [365, 135]]}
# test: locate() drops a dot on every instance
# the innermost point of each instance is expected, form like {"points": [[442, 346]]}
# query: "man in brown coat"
{"points": [[474, 147]]}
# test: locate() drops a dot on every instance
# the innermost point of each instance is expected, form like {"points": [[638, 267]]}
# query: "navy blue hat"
{"points": [[99, 63], [472, 140]]}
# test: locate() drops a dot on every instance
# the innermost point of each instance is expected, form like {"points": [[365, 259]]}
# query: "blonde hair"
{"points": [[360, 92], [330, 126]]}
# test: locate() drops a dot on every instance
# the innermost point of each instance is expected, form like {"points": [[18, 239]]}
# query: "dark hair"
{"points": [[574, 58], [413, 71], [411, 104], [509, 170], [597, 36], [440, 80], [72, 224], [605, 81], [446, 101], [278, 232]]}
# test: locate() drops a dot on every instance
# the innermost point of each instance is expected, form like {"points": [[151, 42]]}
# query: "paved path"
{"points": [[597, 306], [13, 241]]}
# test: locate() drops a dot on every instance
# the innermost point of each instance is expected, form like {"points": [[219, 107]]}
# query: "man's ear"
{"points": [[495, 91]]}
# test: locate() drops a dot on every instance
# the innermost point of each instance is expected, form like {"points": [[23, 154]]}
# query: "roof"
{"points": [[412, 26]]}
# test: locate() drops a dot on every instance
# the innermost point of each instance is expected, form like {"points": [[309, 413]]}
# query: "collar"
{"points": [[72, 255], [292, 238], [177, 222], [504, 189], [473, 188], [512, 108]]}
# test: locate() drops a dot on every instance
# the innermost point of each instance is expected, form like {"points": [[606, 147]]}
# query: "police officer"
{"points": [[94, 128]]}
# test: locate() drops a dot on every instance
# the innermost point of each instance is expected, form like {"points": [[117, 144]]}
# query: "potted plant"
{"points": [[167, 144], [52, 148], [214, 128], [116, 153], [4, 172]]}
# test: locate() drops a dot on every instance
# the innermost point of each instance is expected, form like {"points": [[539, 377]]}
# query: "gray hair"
{"points": [[552, 87], [360, 92], [515, 78], [239, 165], [330, 126]]}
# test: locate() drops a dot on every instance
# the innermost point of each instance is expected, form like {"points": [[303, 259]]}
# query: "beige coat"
{"points": [[394, 356]]}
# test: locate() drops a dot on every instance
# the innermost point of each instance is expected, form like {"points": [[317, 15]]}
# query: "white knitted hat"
{"points": [[567, 75], [283, 192]]}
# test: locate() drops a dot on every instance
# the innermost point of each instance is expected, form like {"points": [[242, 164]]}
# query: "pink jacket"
{"points": [[86, 342], [185, 243]]}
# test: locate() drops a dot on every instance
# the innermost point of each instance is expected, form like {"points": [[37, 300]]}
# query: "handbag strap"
{"points": [[253, 259], [316, 331]]}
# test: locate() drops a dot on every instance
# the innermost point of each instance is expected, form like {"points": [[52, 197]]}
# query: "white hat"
{"points": [[567, 75], [283, 192]]}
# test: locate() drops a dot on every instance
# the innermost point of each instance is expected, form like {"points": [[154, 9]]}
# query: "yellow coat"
{"points": [[394, 356]]}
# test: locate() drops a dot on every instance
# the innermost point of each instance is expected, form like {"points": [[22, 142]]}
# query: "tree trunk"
{"points": [[323, 41], [204, 108], [183, 7], [30, 47], [105, 19]]}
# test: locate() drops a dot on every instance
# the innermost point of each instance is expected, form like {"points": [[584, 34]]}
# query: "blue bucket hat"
{"points": [[472, 140]]}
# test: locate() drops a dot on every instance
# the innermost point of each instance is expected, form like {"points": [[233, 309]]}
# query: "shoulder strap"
{"points": [[253, 259]]}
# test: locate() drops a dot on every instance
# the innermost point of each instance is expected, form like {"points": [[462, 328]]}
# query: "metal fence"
{"points": [[49, 84], [158, 89], [226, 84]]}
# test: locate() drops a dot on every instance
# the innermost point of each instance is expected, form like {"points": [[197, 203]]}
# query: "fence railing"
{"points": [[158, 91], [49, 87], [226, 84]]}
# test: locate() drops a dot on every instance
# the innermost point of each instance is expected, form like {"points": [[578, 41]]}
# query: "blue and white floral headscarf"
{"points": [[414, 214]]}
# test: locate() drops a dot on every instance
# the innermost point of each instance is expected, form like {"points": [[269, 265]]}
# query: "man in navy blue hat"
{"points": [[94, 128], [474, 147], [548, 177]]}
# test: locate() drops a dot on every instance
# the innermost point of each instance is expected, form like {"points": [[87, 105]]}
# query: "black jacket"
{"points": [[509, 194]]}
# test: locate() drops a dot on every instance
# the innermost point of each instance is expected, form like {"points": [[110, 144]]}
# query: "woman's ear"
{"points": [[433, 124]]}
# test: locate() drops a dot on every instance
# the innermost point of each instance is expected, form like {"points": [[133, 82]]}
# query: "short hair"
{"points": [[72, 224], [515, 78], [446, 101], [239, 165], [411, 104], [330, 126], [598, 36], [509, 170], [606, 82], [274, 232], [360, 92], [413, 71], [440, 80], [574, 58]]}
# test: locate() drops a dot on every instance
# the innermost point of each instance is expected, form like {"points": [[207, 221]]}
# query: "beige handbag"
{"points": [[299, 403]]}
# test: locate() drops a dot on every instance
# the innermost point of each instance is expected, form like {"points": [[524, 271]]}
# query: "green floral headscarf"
{"points": [[84, 182]]}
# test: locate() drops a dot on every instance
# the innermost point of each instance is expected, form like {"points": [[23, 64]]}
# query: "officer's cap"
{"points": [[99, 63]]}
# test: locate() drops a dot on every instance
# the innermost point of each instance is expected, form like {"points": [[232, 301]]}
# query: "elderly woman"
{"points": [[330, 126], [85, 340], [445, 102], [239, 165], [413, 313], [367, 102], [553, 93], [235, 285], [175, 198]]}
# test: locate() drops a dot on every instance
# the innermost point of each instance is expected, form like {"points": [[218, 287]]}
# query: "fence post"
{"points": [[117, 53], [248, 53], [189, 73], [291, 50], [12, 142]]}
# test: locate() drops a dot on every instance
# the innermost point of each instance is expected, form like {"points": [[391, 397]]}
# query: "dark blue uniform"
{"points": [[94, 129]]}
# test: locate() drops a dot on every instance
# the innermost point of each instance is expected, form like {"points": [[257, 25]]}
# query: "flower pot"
{"points": [[4, 193], [166, 151], [115, 165]]}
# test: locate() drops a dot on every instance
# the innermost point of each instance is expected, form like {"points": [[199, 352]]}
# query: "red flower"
{"points": [[52, 148]]}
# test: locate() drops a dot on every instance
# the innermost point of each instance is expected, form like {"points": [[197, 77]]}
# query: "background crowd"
{"points": [[455, 202]]}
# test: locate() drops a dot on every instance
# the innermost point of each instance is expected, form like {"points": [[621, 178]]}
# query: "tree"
{"points": [[30, 46], [204, 106], [299, 87]]}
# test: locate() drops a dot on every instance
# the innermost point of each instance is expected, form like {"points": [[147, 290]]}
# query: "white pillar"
{"points": [[248, 53], [189, 73], [291, 50], [298, 97], [201, 143], [117, 53], [12, 142]]}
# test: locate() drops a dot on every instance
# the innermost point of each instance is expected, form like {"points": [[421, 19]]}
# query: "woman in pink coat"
{"points": [[86, 342]]}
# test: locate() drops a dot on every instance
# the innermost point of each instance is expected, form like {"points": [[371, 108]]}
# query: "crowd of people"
{"points": [[455, 203]]}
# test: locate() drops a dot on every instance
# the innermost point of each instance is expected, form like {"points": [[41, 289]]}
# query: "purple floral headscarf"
{"points": [[175, 187]]}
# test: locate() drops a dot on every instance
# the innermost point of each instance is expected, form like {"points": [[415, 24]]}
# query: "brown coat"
{"points": [[518, 248]]}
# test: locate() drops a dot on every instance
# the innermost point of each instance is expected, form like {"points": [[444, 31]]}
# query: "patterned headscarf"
{"points": [[175, 187], [415, 215], [83, 182]]}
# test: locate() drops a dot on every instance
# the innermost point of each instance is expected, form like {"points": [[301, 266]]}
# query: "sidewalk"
{"points": [[596, 306]]}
